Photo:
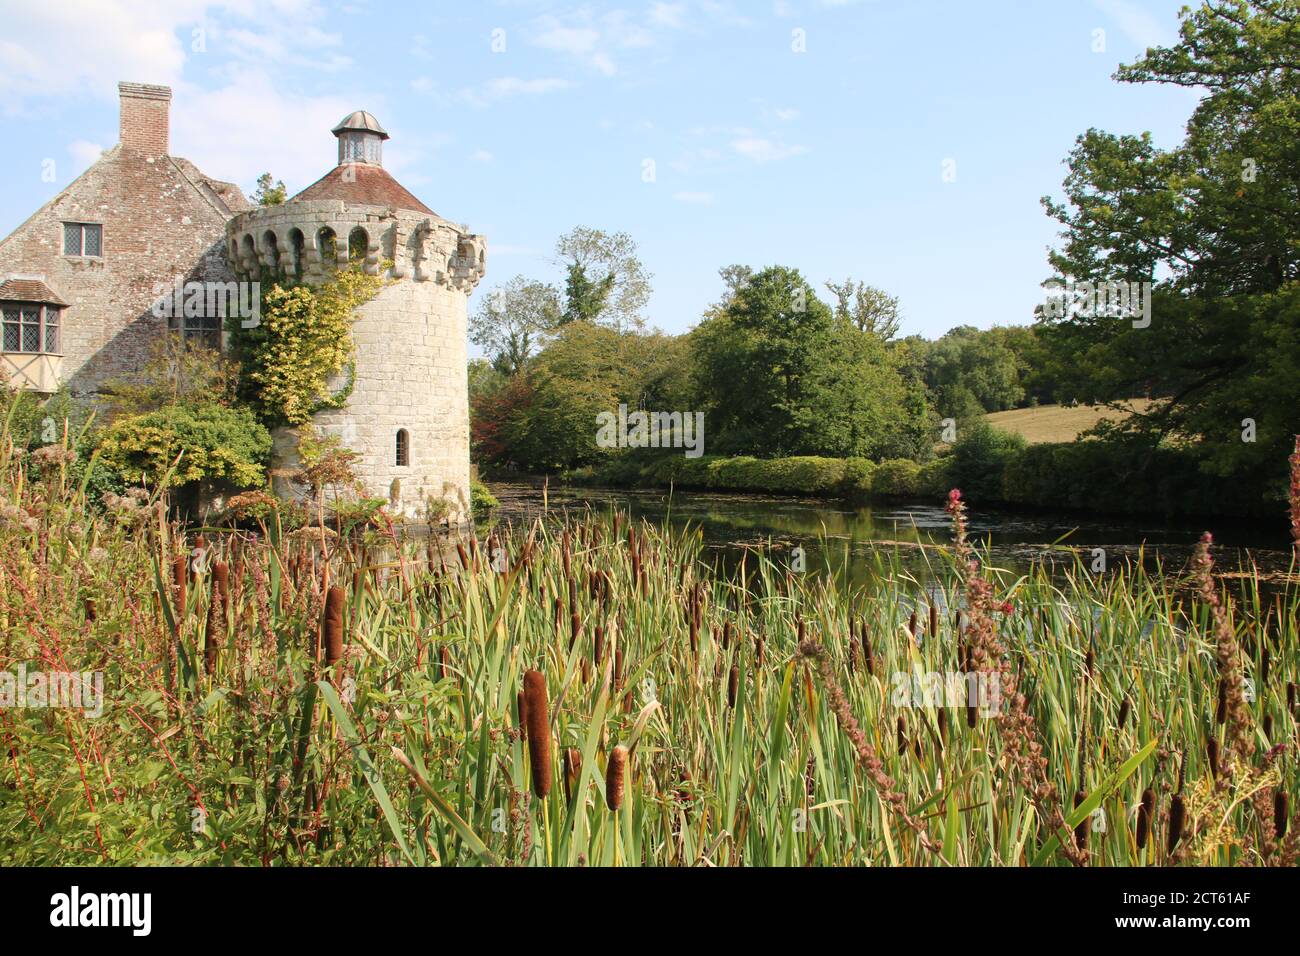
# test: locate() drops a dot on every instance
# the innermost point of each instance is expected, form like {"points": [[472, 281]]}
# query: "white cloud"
{"points": [[251, 126], [762, 150], [503, 87], [699, 198], [787, 115], [667, 15], [84, 153], [481, 156]]}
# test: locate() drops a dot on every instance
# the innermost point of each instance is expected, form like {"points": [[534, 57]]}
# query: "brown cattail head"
{"points": [[180, 578], [902, 735], [1177, 817], [733, 685], [1124, 708], [332, 625], [614, 774], [911, 625], [89, 604], [1221, 711], [758, 650], [1281, 813], [539, 732], [1212, 755], [1290, 696], [444, 662], [934, 620], [1146, 810], [1267, 724], [598, 645]]}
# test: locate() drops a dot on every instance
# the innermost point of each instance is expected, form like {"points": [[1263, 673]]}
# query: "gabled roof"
{"points": [[28, 290], [365, 184]]}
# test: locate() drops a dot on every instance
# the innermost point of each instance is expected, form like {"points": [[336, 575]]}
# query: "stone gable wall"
{"points": [[156, 226]]}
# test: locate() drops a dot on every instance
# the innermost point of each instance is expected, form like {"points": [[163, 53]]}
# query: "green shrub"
{"points": [[481, 500], [979, 459], [220, 444], [934, 480], [858, 475], [896, 478]]}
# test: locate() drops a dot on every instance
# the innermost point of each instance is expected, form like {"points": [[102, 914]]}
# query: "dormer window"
{"points": [[83, 239]]}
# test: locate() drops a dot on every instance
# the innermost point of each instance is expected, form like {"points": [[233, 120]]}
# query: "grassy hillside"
{"points": [[1052, 423]]}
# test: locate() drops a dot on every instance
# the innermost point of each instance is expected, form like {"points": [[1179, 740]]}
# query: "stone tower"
{"points": [[408, 412]]}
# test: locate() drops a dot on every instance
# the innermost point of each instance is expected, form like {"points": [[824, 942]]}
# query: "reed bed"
{"points": [[311, 698]]}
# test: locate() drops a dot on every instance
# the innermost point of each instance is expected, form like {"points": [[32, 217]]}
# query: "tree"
{"points": [[777, 375], [605, 281], [869, 309], [269, 193], [511, 321], [1212, 224]]}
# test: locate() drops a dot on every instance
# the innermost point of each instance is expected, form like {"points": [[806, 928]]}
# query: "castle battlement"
{"points": [[306, 241]]}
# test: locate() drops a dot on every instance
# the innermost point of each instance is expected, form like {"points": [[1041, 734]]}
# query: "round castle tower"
{"points": [[408, 413]]}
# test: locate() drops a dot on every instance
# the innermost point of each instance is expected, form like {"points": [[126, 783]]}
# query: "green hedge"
{"points": [[990, 468]]}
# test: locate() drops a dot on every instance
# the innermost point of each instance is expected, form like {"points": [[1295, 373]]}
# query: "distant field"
{"points": [[1048, 423]]}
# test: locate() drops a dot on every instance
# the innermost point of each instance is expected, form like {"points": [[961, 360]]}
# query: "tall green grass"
{"points": [[407, 749]]}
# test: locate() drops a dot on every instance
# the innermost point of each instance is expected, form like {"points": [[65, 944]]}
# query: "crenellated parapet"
{"points": [[307, 241]]}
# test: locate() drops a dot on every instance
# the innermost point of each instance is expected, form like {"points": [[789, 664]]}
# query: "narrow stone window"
{"points": [[403, 448]]}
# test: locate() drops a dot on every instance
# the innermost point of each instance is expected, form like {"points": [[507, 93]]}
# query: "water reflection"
{"points": [[846, 540]]}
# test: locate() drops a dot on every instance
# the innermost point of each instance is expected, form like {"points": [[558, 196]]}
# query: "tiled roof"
{"points": [[28, 290], [365, 184]]}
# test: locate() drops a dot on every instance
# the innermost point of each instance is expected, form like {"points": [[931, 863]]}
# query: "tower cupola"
{"points": [[361, 139]]}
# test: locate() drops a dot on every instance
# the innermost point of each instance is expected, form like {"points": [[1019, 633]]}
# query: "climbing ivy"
{"points": [[304, 337]]}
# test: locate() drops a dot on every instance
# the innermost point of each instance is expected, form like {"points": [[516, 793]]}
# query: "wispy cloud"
{"points": [[762, 150]]}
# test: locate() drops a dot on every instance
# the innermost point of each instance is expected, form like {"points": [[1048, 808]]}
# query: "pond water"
{"points": [[846, 539]]}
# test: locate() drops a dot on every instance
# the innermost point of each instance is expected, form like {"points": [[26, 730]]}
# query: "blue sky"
{"points": [[830, 160]]}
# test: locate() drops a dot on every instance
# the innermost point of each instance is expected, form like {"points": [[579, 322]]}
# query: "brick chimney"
{"points": [[145, 111]]}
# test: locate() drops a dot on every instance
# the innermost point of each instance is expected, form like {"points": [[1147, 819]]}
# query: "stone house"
{"points": [[80, 276]]}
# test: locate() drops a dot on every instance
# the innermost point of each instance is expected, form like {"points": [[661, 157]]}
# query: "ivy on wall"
{"points": [[303, 339]]}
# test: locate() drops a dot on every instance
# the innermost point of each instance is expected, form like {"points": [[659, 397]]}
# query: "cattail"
{"points": [[1212, 755], [89, 604], [539, 732], [614, 774], [444, 662], [521, 705], [1146, 813], [1081, 831], [333, 625], [902, 735], [1123, 713], [1290, 696], [1268, 727], [464, 557], [911, 625], [180, 578], [1221, 712], [598, 645], [733, 685], [1089, 660], [758, 651], [1281, 813], [867, 656], [934, 620], [1177, 817], [572, 764]]}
